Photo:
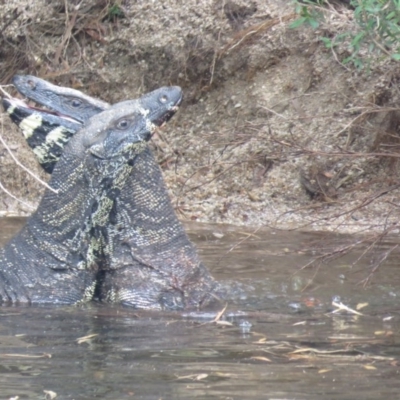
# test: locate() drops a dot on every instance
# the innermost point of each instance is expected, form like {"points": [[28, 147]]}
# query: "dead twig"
{"points": [[243, 36], [42, 182], [14, 197], [67, 34], [383, 258], [343, 307]]}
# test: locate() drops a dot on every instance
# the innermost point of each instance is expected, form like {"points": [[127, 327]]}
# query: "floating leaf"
{"points": [[261, 359], [87, 338], [359, 306], [224, 323], [323, 371], [49, 394]]}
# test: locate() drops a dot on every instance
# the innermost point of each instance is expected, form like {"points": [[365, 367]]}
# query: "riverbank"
{"points": [[274, 131]]}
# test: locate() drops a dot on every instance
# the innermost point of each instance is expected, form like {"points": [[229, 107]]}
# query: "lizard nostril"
{"points": [[32, 84], [76, 103]]}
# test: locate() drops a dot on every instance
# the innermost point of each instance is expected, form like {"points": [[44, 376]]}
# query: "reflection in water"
{"points": [[275, 341]]}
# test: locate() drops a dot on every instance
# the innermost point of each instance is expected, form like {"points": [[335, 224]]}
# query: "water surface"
{"points": [[277, 339]]}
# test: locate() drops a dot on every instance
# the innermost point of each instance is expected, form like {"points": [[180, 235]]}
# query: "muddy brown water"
{"points": [[278, 338]]}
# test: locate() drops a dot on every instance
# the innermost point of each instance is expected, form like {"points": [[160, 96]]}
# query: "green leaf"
{"points": [[314, 23], [327, 42], [347, 60], [356, 40], [298, 22], [391, 15]]}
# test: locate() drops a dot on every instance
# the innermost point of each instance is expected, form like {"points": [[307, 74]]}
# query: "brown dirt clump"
{"points": [[274, 129]]}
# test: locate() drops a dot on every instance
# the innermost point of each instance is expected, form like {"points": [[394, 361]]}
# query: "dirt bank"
{"points": [[274, 129]]}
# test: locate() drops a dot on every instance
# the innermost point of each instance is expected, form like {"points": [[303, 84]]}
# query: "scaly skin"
{"points": [[150, 261], [46, 134], [72, 102], [58, 256]]}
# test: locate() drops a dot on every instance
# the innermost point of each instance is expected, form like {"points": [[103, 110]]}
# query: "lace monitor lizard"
{"points": [[150, 261], [58, 256]]}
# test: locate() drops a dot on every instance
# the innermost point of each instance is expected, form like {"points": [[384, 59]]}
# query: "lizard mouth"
{"points": [[161, 121], [12, 103], [33, 114], [166, 117]]}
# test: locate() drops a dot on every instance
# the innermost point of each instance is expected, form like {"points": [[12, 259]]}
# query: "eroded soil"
{"points": [[274, 129]]}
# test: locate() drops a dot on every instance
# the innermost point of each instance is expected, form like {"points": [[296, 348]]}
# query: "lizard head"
{"points": [[161, 104], [61, 101], [48, 131], [117, 129]]}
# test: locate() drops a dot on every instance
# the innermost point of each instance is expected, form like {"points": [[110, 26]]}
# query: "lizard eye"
{"points": [[163, 98], [76, 103], [123, 124]]}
